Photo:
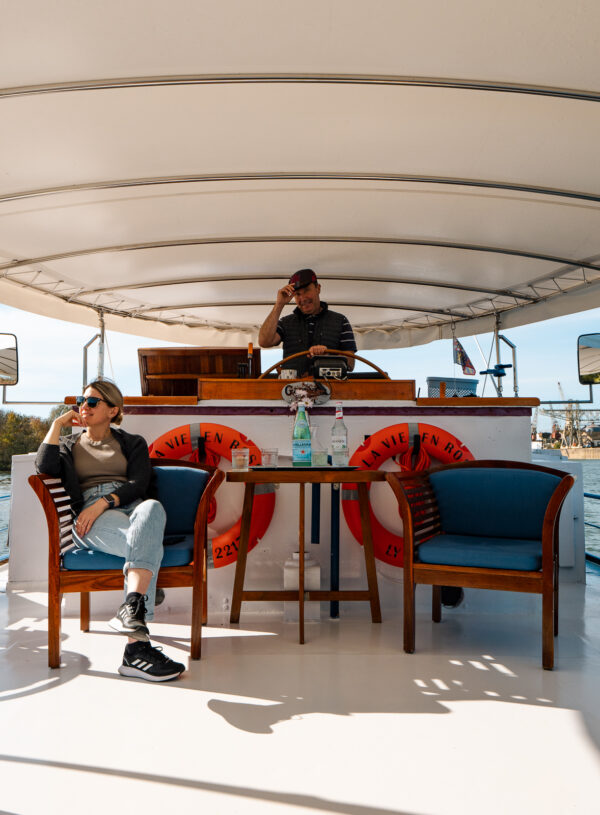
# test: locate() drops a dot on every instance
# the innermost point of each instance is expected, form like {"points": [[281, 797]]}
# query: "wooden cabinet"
{"points": [[176, 371]]}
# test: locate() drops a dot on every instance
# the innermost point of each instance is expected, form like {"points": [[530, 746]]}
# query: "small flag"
{"points": [[461, 358]]}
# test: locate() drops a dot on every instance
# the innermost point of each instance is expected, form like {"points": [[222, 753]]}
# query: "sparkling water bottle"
{"points": [[301, 439], [339, 439]]}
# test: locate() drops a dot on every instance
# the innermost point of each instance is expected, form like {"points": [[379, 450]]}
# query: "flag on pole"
{"points": [[461, 358]]}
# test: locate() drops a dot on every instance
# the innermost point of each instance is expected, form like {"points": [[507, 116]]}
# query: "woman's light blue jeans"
{"points": [[134, 532]]}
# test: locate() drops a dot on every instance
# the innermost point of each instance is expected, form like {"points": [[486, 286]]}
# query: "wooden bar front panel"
{"points": [[251, 389]]}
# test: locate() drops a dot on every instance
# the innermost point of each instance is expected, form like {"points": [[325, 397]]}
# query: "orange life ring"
{"points": [[396, 441], [208, 443]]}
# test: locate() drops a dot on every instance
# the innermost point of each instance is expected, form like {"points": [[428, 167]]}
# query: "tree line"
{"points": [[23, 434]]}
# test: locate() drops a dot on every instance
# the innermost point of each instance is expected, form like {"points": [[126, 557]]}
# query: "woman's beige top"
{"points": [[97, 462]]}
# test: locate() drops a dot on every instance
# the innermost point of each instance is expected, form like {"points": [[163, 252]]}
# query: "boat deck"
{"points": [[346, 723]]}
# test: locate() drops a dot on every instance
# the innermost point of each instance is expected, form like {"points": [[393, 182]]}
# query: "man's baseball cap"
{"points": [[302, 278]]}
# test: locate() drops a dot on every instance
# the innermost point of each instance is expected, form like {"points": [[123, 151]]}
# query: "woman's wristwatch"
{"points": [[110, 501]]}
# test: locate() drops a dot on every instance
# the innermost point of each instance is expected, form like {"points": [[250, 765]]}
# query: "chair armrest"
{"points": [[56, 504], [201, 522], [551, 520]]}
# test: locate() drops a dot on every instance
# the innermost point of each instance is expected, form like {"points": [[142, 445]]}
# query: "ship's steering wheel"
{"points": [[327, 351]]}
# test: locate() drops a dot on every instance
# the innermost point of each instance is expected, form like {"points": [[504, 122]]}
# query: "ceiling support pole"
{"points": [[100, 338], [101, 346], [498, 361]]}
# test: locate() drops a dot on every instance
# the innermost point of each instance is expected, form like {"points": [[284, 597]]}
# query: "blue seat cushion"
{"points": [[179, 490], [481, 552], [493, 502], [177, 554]]}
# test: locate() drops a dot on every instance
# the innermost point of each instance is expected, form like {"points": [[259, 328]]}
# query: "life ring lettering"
{"points": [[208, 443], [397, 442]]}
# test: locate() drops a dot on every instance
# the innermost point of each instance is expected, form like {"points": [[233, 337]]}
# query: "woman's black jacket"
{"points": [[57, 460]]}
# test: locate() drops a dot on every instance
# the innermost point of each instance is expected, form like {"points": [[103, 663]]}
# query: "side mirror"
{"points": [[588, 358], [9, 360]]}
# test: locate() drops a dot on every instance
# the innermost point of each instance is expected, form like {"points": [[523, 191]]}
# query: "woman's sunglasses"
{"points": [[91, 400]]}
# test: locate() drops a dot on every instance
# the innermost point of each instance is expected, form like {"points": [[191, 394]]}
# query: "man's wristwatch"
{"points": [[110, 501]]}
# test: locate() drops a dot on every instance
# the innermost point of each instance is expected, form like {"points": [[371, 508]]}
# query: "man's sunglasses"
{"points": [[91, 400]]}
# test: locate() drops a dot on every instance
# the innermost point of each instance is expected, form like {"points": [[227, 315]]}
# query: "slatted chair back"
{"points": [[419, 510], [56, 504]]}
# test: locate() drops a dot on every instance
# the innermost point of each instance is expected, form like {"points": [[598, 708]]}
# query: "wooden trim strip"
{"points": [[398, 413], [479, 401]]}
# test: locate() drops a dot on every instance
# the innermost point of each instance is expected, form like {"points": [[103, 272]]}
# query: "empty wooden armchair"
{"points": [[482, 524], [185, 491]]}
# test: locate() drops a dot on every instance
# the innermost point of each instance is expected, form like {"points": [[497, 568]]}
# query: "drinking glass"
{"points": [[269, 456], [240, 458], [318, 454]]}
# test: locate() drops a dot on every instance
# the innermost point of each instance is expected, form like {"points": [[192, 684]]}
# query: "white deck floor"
{"points": [[347, 723]]}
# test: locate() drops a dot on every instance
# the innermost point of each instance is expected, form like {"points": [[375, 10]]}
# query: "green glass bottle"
{"points": [[301, 439]]}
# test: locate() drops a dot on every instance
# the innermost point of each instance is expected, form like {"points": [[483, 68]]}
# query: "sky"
{"points": [[51, 360]]}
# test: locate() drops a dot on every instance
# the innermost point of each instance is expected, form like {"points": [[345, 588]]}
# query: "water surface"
{"points": [[591, 483], [4, 512]]}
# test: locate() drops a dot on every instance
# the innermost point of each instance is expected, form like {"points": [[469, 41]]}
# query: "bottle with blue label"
{"points": [[301, 439]]}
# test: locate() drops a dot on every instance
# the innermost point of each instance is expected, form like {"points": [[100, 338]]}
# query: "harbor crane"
{"points": [[570, 420]]}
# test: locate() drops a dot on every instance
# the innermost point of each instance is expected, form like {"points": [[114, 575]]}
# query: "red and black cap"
{"points": [[302, 278]]}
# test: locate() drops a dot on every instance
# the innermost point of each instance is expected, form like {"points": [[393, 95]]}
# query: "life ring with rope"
{"points": [[412, 446], [207, 444]]}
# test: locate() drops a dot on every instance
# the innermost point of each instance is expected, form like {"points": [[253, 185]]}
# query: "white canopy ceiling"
{"points": [[172, 164]]}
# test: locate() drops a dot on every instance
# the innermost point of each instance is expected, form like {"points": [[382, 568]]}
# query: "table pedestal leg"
{"points": [[240, 566], [301, 564], [334, 580], [365, 522]]}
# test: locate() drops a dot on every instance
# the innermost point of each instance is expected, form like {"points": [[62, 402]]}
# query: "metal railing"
{"points": [[589, 555]]}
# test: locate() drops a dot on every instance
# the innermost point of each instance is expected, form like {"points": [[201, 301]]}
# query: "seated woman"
{"points": [[107, 473]]}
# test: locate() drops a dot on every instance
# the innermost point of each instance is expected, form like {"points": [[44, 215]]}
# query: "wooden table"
{"points": [[302, 476]]}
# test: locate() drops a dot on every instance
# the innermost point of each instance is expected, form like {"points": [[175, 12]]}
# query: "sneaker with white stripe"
{"points": [[145, 661], [130, 618]]}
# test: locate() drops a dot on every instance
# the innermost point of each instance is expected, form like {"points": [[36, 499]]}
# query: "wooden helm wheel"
{"points": [[349, 354]]}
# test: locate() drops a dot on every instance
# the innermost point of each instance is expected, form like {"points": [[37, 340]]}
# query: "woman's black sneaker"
{"points": [[130, 618], [144, 661]]}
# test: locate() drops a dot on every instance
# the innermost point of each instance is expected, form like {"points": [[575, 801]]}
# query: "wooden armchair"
{"points": [[185, 490], [486, 525]]}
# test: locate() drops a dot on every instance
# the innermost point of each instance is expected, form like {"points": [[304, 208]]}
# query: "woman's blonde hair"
{"points": [[109, 391]]}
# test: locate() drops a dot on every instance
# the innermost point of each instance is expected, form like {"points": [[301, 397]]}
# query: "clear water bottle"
{"points": [[301, 439], [339, 439]]}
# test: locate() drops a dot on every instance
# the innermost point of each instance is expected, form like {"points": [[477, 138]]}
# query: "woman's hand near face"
{"points": [[85, 519], [69, 419]]}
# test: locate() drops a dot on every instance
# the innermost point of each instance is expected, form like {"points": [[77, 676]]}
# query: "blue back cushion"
{"points": [[493, 502], [179, 490]]}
